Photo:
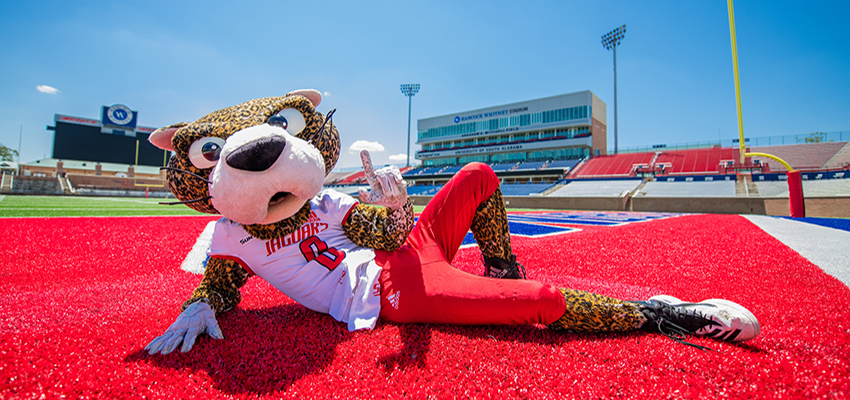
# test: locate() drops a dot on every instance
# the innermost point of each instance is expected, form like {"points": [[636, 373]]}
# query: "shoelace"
{"points": [[677, 334], [693, 319]]}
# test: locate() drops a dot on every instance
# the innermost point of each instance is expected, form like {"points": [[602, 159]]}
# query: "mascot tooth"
{"points": [[260, 164]]}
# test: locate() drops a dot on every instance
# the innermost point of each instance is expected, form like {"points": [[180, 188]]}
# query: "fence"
{"points": [[840, 136]]}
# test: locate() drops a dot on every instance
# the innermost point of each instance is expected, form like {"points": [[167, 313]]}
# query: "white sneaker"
{"points": [[732, 322]]}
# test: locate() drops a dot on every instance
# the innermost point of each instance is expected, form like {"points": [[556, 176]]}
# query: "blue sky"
{"points": [[178, 60]]}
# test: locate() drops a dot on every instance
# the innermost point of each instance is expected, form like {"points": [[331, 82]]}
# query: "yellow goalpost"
{"points": [[795, 183], [148, 185]]}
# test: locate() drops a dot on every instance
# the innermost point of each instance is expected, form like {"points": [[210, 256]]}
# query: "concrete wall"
{"points": [[115, 183], [824, 207]]}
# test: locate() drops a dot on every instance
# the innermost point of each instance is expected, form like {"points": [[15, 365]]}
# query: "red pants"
{"points": [[419, 284]]}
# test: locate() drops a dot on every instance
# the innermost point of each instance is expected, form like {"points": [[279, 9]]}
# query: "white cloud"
{"points": [[363, 144], [47, 89], [326, 94], [398, 157]]}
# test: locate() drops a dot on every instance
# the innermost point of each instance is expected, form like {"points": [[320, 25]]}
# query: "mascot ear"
{"points": [[162, 137], [311, 94]]}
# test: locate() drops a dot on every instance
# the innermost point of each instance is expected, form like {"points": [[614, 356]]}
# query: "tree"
{"points": [[7, 154], [815, 137]]}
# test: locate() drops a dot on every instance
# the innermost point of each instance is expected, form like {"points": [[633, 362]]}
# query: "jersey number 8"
{"points": [[314, 248]]}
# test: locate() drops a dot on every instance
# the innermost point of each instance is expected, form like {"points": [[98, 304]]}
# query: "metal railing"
{"points": [[840, 136]]}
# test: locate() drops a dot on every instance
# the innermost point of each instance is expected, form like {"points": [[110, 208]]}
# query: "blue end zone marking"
{"points": [[538, 224], [835, 223], [602, 218], [525, 229]]}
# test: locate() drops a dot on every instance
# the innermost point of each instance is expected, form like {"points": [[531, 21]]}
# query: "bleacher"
{"points": [[423, 190], [421, 172], [563, 164], [804, 156], [524, 189], [694, 161], [841, 159], [357, 177], [335, 177], [530, 166], [597, 188], [719, 188], [836, 183], [350, 190], [36, 185], [451, 170], [617, 165], [503, 167]]}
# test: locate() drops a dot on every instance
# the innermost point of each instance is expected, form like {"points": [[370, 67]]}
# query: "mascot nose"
{"points": [[258, 155]]}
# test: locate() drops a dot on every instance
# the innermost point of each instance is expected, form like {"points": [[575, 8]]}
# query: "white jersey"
{"points": [[317, 265]]}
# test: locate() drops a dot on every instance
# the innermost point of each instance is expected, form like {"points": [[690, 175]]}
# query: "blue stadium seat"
{"points": [[524, 189]]}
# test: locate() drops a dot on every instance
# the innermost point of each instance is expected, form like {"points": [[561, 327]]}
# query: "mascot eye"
{"points": [[289, 119], [204, 152]]}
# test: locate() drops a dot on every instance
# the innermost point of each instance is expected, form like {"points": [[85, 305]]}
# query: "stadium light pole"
{"points": [[409, 89], [20, 137], [611, 40]]}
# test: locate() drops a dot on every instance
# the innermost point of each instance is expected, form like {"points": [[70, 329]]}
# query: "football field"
{"points": [[78, 206], [84, 295]]}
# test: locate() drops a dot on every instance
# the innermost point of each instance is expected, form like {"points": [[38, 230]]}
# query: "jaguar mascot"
{"points": [[261, 165]]}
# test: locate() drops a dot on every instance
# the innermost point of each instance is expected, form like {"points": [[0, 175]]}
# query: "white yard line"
{"points": [[824, 247]]}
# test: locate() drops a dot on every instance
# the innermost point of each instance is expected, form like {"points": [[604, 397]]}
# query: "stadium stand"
{"points": [[597, 188], [617, 165], [421, 172], [811, 188], [841, 159], [334, 178], [350, 190], [804, 156], [357, 177], [530, 166], [348, 177], [693, 161], [36, 185], [423, 190], [562, 164], [6, 182], [689, 189], [503, 167], [451, 170], [524, 189]]}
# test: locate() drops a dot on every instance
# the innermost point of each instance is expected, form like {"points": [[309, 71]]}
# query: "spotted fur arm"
{"points": [[379, 227], [220, 286]]}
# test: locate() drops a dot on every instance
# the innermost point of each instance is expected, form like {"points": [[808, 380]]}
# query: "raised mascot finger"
{"points": [[366, 159]]}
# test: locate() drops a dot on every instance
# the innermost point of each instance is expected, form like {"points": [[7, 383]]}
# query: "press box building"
{"points": [[553, 128]]}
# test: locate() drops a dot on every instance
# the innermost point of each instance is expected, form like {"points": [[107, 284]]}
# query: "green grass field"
{"points": [[73, 206], [76, 206]]}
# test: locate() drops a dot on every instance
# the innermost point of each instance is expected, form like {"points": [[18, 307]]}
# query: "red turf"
{"points": [[83, 296]]}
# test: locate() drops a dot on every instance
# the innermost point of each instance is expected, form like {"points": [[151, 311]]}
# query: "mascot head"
{"points": [[257, 163]]}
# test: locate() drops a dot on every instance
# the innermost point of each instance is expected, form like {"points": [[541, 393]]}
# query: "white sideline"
{"points": [[827, 248], [194, 261]]}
